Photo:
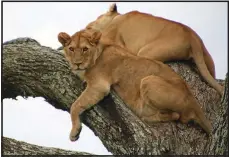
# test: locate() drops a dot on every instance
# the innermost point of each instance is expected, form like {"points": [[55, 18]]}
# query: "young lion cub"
{"points": [[150, 88]]}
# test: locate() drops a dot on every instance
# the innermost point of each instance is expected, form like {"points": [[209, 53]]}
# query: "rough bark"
{"points": [[30, 69], [14, 147]]}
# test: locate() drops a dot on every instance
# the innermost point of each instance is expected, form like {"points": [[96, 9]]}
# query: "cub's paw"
{"points": [[74, 135]]}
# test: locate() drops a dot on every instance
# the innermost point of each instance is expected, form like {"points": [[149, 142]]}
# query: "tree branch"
{"points": [[14, 147], [30, 69]]}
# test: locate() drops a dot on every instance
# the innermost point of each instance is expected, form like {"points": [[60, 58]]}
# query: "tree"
{"points": [[14, 147], [30, 69]]}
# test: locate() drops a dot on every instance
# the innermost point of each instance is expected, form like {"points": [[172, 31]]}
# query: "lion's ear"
{"points": [[95, 36], [113, 8], [64, 38]]}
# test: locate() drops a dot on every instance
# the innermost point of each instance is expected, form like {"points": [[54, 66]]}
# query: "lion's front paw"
{"points": [[75, 132]]}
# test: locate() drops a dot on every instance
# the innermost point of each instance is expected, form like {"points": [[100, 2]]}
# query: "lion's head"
{"points": [[103, 20], [80, 49]]}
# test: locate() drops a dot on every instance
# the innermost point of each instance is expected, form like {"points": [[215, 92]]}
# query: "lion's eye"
{"points": [[71, 48], [85, 49]]}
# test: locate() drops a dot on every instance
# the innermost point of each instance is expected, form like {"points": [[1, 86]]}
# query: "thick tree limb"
{"points": [[14, 147], [30, 69]]}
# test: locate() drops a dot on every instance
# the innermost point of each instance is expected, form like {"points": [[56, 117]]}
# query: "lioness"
{"points": [[150, 88], [156, 38]]}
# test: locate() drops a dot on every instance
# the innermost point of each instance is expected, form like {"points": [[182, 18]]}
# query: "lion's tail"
{"points": [[204, 62], [209, 61], [201, 120]]}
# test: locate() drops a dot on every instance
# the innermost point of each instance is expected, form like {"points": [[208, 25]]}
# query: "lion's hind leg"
{"points": [[161, 116], [160, 100]]}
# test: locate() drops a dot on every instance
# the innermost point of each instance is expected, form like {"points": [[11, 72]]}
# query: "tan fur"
{"points": [[157, 38], [155, 94]]}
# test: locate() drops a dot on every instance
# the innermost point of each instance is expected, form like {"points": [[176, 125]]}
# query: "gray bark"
{"points": [[14, 147], [30, 69]]}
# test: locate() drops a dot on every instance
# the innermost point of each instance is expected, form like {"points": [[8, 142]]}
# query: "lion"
{"points": [[157, 38], [151, 89]]}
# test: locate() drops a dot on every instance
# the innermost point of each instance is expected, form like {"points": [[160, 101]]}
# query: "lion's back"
{"points": [[135, 30]]}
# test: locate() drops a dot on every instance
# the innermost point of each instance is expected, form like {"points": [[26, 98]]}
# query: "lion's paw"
{"points": [[74, 135]]}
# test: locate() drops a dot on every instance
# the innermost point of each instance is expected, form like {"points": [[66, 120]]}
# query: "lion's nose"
{"points": [[78, 64]]}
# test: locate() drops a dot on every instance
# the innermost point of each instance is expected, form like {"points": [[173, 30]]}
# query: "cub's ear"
{"points": [[64, 38], [113, 8], [95, 36]]}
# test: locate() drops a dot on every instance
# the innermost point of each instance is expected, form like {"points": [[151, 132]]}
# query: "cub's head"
{"points": [[81, 49], [103, 20]]}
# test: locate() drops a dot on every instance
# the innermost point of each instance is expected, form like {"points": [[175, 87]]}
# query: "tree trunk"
{"points": [[14, 147], [30, 69]]}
